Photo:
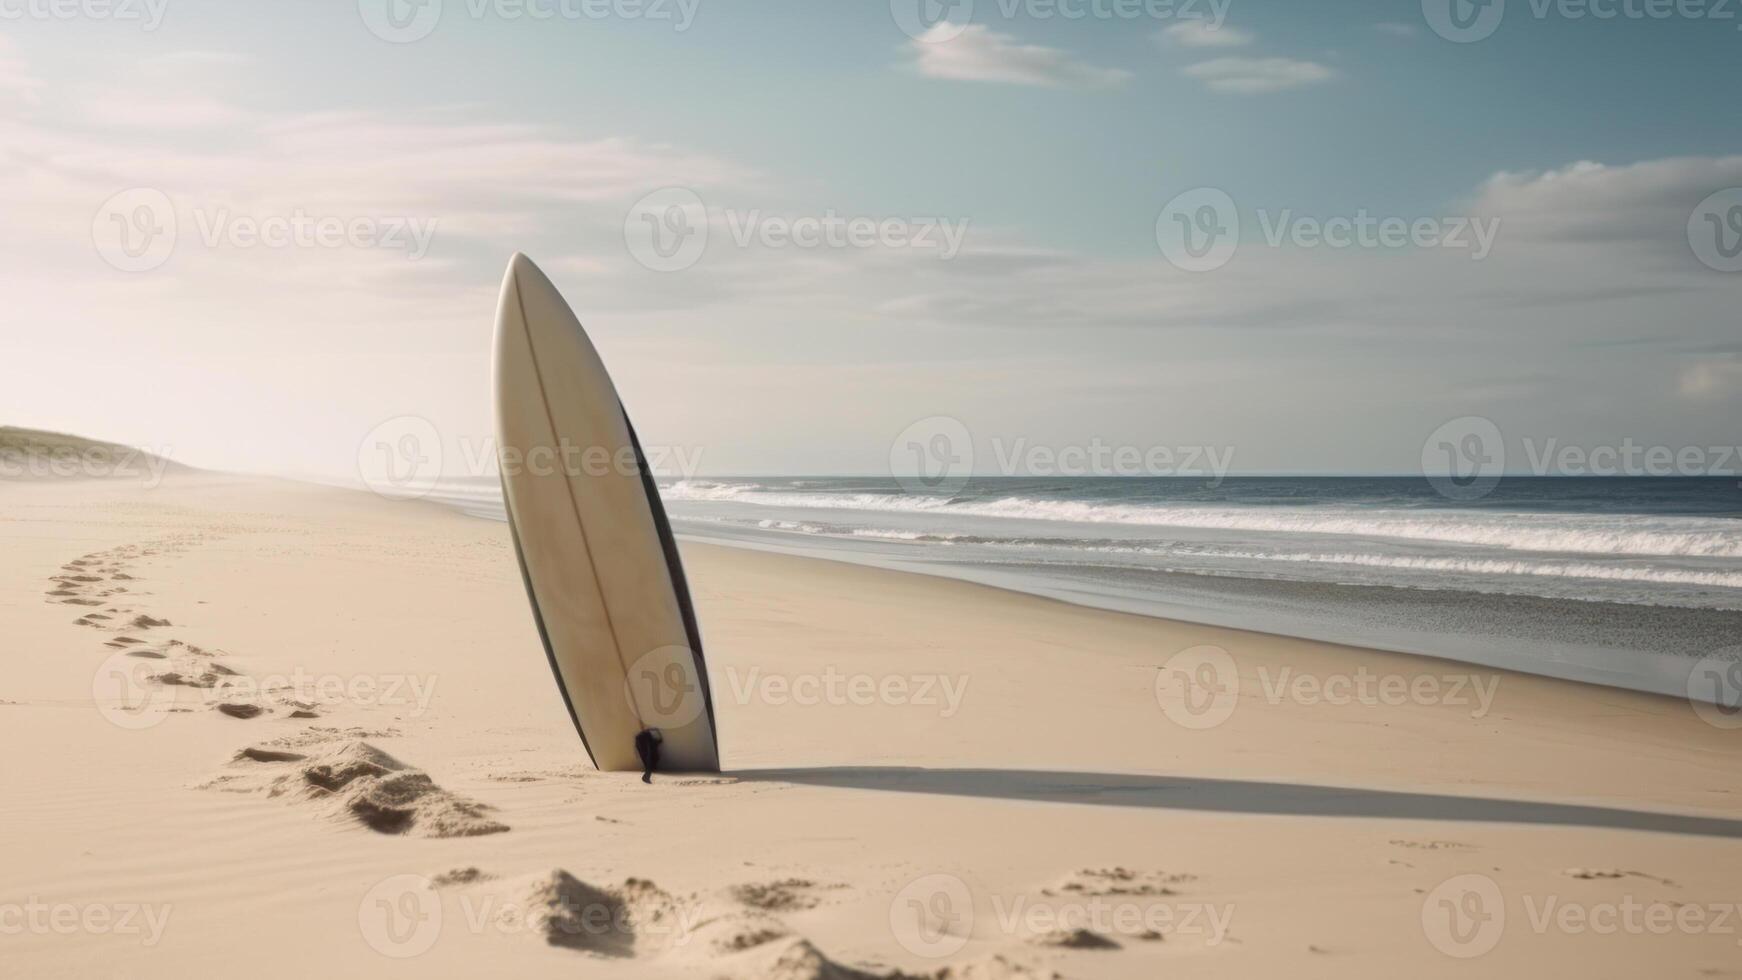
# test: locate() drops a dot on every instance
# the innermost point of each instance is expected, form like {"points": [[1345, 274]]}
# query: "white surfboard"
{"points": [[595, 549]]}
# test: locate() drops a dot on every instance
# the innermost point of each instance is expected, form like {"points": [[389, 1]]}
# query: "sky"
{"points": [[270, 237]]}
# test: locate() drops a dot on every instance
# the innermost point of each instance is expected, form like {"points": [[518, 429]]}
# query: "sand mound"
{"points": [[787, 895], [357, 782], [636, 918], [796, 959], [993, 967], [1074, 939], [1101, 882]]}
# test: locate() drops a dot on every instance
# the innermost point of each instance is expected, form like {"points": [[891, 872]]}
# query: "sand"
{"points": [[263, 729]]}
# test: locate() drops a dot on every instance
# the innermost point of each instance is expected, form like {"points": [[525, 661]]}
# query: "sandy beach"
{"points": [[256, 725]]}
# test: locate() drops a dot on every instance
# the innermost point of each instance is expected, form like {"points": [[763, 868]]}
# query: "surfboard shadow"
{"points": [[1238, 796]]}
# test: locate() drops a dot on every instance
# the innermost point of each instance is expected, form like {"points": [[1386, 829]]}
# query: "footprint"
{"points": [[357, 782]]}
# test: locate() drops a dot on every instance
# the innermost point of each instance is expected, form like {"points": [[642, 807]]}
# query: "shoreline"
{"points": [[1647, 642]]}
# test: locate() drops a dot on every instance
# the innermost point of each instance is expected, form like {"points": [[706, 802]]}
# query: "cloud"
{"points": [[1711, 380], [1396, 29], [978, 54], [1590, 255], [1639, 203], [18, 87], [1257, 76], [1205, 34]]}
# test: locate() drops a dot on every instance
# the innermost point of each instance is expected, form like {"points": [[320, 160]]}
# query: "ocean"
{"points": [[1617, 581]]}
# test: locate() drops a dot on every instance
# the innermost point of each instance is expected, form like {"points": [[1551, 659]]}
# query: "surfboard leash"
{"points": [[647, 747]]}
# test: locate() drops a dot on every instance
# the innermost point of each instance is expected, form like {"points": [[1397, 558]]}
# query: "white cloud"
{"points": [[1256, 76], [18, 87], [1205, 34], [978, 54], [1711, 380]]}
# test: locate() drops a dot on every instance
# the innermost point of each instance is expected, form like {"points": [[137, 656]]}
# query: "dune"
{"points": [[37, 454]]}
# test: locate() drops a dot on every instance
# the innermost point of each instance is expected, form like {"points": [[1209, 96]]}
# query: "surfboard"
{"points": [[595, 548]]}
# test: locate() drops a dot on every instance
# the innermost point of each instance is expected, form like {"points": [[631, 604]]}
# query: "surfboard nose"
{"points": [[523, 272]]}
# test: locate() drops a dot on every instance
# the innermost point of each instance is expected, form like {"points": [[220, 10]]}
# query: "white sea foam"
{"points": [[1589, 534]]}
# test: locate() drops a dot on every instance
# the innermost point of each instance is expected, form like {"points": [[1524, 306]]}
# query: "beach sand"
{"points": [[256, 728]]}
